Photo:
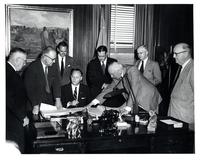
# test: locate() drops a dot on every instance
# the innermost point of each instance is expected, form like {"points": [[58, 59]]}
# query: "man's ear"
{"points": [[81, 78]]}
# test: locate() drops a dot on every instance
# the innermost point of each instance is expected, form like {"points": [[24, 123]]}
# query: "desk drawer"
{"points": [[58, 148], [171, 144], [118, 145]]}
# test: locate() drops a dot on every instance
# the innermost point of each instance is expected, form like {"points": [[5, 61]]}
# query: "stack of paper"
{"points": [[48, 110], [172, 122]]}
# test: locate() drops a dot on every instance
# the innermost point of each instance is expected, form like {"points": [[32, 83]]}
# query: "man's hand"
{"points": [[58, 103], [35, 110], [26, 121], [104, 86], [73, 103]]}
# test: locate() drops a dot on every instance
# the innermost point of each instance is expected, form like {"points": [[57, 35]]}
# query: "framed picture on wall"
{"points": [[33, 28]]}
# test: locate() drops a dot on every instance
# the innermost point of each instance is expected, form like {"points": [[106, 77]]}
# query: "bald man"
{"points": [[182, 96], [130, 78], [149, 68], [16, 99], [42, 81]]}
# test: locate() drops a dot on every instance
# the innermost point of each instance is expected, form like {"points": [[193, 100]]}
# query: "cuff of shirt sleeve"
{"points": [[95, 101]]}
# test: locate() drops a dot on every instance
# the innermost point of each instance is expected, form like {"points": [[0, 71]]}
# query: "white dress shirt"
{"points": [[60, 60], [144, 63]]}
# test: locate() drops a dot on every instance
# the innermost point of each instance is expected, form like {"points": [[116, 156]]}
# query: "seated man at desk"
{"points": [[140, 91], [75, 94]]}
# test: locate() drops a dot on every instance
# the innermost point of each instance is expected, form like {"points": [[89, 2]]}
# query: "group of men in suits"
{"points": [[55, 79]]}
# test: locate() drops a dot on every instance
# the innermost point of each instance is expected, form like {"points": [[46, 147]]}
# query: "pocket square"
{"points": [[68, 65], [83, 97]]}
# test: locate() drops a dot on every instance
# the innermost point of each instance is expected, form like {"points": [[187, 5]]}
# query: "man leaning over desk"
{"points": [[42, 81], [130, 78]]}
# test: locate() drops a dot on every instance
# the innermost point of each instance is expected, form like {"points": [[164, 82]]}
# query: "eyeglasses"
{"points": [[176, 53], [53, 59]]}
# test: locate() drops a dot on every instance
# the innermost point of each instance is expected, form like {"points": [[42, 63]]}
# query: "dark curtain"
{"points": [[144, 28]]}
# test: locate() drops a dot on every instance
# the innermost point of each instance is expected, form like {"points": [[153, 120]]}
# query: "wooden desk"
{"points": [[136, 139]]}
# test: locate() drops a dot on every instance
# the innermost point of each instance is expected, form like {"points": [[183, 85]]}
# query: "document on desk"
{"points": [[49, 110], [172, 122]]}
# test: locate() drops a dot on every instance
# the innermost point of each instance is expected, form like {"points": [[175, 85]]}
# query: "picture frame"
{"points": [[33, 28]]}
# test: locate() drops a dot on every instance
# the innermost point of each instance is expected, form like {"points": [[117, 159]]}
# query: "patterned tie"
{"points": [[75, 93], [103, 67], [46, 80], [142, 68], [62, 68]]}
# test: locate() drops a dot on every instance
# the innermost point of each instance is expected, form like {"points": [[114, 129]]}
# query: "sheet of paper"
{"points": [[47, 107], [172, 122]]}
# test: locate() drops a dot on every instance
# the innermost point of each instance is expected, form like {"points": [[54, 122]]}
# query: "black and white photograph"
{"points": [[101, 79]]}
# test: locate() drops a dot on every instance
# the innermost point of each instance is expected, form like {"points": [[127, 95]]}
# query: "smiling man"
{"points": [[182, 96]]}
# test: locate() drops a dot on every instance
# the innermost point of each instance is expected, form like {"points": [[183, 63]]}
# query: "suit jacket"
{"points": [[34, 79], [83, 95], [152, 71], [69, 64], [182, 96], [15, 106], [145, 92], [95, 76]]}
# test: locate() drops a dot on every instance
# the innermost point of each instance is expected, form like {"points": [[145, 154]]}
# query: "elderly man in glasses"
{"points": [[42, 81], [182, 96]]}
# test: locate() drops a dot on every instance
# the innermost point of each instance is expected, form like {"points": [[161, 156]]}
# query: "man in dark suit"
{"points": [[42, 81], [140, 91], [97, 75], [75, 94], [64, 63], [16, 99], [149, 68]]}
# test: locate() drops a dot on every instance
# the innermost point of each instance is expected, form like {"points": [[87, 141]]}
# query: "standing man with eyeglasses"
{"points": [[182, 96], [42, 81], [64, 63], [149, 68]]}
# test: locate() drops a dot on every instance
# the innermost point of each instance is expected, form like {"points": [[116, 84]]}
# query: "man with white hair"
{"points": [[182, 96], [149, 68], [16, 99], [140, 91]]}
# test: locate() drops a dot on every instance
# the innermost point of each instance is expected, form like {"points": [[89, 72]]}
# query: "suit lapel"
{"points": [[41, 71]]}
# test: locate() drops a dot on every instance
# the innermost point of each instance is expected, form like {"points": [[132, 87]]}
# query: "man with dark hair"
{"points": [[42, 81], [16, 99], [97, 75], [64, 63], [75, 93]]}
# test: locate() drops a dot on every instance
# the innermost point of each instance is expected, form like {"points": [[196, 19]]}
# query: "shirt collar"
{"points": [[43, 66], [183, 66], [105, 61], [12, 66]]}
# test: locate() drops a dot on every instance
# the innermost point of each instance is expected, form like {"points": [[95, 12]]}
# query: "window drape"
{"points": [[144, 28], [101, 23]]}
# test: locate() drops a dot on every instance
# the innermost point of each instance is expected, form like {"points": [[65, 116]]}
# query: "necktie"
{"points": [[62, 68], [103, 67], [177, 75], [46, 80], [142, 68], [75, 93]]}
